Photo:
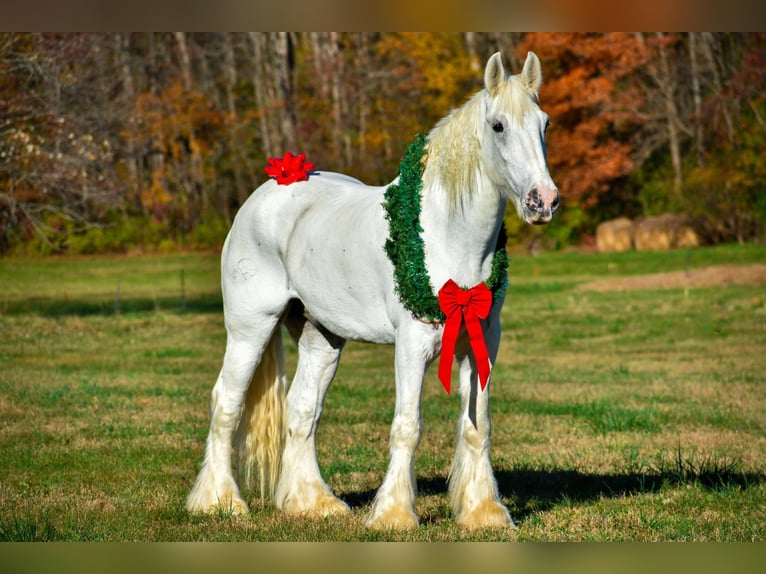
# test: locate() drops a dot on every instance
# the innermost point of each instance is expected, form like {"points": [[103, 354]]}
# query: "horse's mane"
{"points": [[454, 144]]}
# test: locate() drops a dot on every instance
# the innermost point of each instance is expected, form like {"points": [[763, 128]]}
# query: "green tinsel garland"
{"points": [[404, 245]]}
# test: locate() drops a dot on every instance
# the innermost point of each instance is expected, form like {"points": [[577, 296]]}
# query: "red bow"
{"points": [[289, 168], [472, 304]]}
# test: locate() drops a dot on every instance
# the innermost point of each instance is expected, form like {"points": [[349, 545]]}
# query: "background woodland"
{"points": [[151, 141]]}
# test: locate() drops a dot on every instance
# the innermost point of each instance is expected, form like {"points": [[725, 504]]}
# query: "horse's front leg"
{"points": [[394, 505], [472, 487]]}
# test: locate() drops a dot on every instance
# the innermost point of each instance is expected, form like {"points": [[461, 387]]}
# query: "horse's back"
{"points": [[339, 177], [319, 241], [273, 212]]}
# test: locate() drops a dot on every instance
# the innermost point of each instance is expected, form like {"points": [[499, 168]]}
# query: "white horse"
{"points": [[310, 256]]}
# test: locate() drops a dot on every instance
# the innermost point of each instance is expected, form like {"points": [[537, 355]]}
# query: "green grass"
{"points": [[633, 415]]}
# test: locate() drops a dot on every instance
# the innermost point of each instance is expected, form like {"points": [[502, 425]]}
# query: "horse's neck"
{"points": [[460, 241]]}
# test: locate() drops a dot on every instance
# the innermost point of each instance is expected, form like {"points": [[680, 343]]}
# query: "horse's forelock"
{"points": [[514, 98]]}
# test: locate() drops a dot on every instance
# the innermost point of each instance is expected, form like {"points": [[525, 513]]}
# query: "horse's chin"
{"points": [[537, 218], [533, 217]]}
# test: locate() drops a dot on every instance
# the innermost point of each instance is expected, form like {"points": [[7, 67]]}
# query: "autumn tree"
{"points": [[57, 142], [592, 104], [700, 148], [730, 182]]}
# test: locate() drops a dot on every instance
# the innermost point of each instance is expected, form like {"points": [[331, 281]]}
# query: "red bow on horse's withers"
{"points": [[469, 304]]}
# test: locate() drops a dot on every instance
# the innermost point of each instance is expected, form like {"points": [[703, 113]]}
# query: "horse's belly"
{"points": [[349, 320], [347, 296]]}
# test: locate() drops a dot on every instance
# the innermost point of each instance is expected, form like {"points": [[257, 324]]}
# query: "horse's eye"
{"points": [[547, 125], [498, 127]]}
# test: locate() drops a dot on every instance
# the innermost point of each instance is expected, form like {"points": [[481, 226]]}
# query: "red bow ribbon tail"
{"points": [[469, 304], [449, 338]]}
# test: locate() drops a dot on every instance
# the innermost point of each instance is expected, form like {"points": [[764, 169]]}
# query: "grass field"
{"points": [[635, 414]]}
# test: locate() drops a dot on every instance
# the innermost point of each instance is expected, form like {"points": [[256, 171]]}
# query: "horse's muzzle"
{"points": [[539, 204]]}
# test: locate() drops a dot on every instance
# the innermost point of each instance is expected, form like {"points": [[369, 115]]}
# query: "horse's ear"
{"points": [[494, 74], [532, 73]]}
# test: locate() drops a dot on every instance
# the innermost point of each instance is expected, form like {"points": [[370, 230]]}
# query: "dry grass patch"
{"points": [[717, 276]]}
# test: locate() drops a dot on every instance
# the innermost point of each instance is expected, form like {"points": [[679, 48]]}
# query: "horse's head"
{"points": [[514, 139]]}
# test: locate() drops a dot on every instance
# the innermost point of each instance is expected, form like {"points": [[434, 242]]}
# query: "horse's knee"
{"points": [[475, 438], [405, 432]]}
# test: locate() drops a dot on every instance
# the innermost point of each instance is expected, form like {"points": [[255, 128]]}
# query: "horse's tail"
{"points": [[260, 436]]}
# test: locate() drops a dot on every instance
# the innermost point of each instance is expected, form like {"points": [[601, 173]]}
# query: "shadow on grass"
{"points": [[104, 306], [534, 490], [540, 490]]}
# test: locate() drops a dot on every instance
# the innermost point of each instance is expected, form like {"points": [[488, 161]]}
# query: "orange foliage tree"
{"points": [[180, 130], [593, 105]]}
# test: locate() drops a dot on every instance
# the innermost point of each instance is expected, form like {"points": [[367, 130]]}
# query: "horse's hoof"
{"points": [[330, 506], [229, 506], [326, 505], [237, 508], [488, 514], [394, 518], [205, 498]]}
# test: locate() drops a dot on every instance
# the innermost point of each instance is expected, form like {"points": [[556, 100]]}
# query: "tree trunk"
{"points": [[671, 111], [470, 48], [122, 51], [708, 49], [697, 98], [195, 183], [185, 62], [235, 146], [260, 93], [363, 101], [282, 46], [339, 101], [506, 43]]}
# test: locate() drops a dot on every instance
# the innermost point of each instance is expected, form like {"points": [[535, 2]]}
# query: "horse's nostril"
{"points": [[555, 202], [533, 199]]}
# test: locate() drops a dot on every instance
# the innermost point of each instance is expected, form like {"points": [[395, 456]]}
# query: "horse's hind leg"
{"points": [[215, 487], [301, 488], [472, 487], [253, 307]]}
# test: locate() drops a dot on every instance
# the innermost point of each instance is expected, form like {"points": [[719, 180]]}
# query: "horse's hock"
{"points": [[657, 233]]}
